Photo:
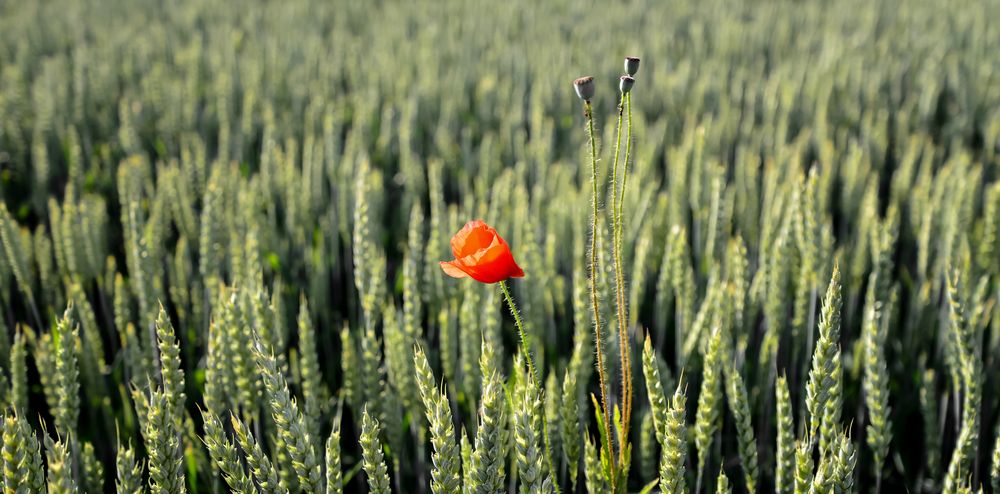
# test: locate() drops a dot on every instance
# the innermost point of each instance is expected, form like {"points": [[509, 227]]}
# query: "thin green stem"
{"points": [[628, 155], [588, 112], [526, 350], [616, 219], [623, 308], [614, 172]]}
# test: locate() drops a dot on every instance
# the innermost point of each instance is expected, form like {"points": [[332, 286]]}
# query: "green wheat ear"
{"points": [[258, 463], [313, 393], [60, 467], [488, 471], [527, 419], [803, 467], [18, 374], [170, 369], [446, 456], [67, 374], [22, 459], [673, 456], [373, 458], [224, 455], [646, 444], [349, 364], [334, 474], [876, 380], [846, 462], [128, 471], [654, 390], [929, 413], [13, 244], [784, 469], [292, 429], [722, 484], [967, 345], [552, 445], [163, 447], [570, 428], [707, 415], [825, 356], [93, 470], [596, 480], [739, 405]]}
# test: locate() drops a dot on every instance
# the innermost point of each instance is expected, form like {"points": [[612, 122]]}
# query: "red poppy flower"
{"points": [[481, 254]]}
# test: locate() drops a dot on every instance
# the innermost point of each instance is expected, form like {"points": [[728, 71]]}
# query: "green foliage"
{"points": [[258, 464], [334, 475], [571, 429], [374, 459], [239, 208], [596, 480], [225, 457], [128, 477], [707, 419], [722, 484], [446, 458], [736, 395], [821, 392], [291, 427], [67, 384], [528, 442], [784, 463], [876, 380], [166, 473], [673, 456], [22, 459], [654, 390], [487, 461]]}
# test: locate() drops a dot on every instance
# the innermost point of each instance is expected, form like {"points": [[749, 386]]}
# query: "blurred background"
{"points": [[278, 169]]}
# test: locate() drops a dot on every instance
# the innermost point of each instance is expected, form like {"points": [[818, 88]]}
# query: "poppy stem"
{"points": [[616, 222], [628, 153], [526, 350], [623, 307], [588, 112]]}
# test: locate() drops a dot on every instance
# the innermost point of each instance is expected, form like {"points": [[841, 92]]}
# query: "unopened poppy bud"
{"points": [[631, 65], [626, 83], [584, 87]]}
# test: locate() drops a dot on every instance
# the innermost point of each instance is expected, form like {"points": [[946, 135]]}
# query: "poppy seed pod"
{"points": [[631, 65], [626, 83], [584, 87]]}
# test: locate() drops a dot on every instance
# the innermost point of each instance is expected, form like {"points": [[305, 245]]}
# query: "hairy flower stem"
{"points": [[526, 350], [589, 114], [616, 217], [618, 248], [628, 154]]}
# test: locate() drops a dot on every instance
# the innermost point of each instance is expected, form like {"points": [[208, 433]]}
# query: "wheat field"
{"points": [[762, 256]]}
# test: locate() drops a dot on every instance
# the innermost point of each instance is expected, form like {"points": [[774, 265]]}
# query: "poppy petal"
{"points": [[478, 240], [481, 254], [470, 238], [489, 254], [517, 272], [451, 268]]}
